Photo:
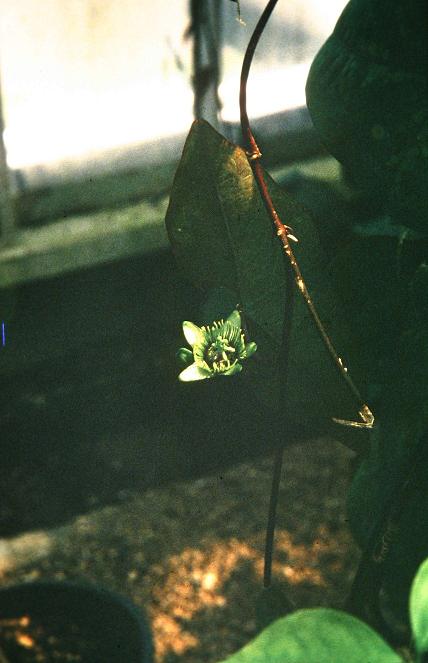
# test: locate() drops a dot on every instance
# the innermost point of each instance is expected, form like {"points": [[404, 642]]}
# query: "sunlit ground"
{"points": [[201, 583], [191, 553]]}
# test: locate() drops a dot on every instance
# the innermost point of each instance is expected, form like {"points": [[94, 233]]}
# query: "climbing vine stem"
{"points": [[270, 528], [284, 232], [285, 235]]}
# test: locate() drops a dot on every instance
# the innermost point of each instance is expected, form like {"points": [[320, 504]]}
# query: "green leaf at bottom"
{"points": [[319, 635], [419, 608]]}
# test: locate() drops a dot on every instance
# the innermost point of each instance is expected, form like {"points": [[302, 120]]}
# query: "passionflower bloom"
{"points": [[217, 349]]}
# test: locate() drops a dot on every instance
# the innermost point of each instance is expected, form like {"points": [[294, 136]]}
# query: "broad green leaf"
{"points": [[365, 273], [319, 635], [223, 237], [399, 448], [419, 608], [218, 304]]}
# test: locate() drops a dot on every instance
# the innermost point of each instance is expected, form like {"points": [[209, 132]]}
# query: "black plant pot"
{"points": [[105, 626]]}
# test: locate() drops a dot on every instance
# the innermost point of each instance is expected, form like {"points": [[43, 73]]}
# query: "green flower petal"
{"points": [[194, 334], [236, 368], [194, 372], [216, 349], [185, 356], [250, 349], [235, 319]]}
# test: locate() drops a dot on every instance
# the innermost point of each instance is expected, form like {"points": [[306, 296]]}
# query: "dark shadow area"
{"points": [[92, 407]]}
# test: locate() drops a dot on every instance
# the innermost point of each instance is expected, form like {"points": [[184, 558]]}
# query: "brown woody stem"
{"points": [[284, 234], [283, 231]]}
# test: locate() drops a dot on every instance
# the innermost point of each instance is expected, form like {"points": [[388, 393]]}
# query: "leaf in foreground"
{"points": [[419, 608], [319, 635]]}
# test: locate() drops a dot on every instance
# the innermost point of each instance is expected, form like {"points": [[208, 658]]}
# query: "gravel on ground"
{"points": [[191, 553]]}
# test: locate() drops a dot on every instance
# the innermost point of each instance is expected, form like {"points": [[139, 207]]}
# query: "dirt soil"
{"points": [[191, 553]]}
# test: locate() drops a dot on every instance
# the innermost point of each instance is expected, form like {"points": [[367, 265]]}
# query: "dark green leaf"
{"points": [[219, 303], [399, 452], [223, 237]]}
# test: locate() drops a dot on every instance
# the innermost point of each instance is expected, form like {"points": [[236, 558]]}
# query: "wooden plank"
{"points": [[69, 244], [83, 241], [105, 180], [122, 176]]}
